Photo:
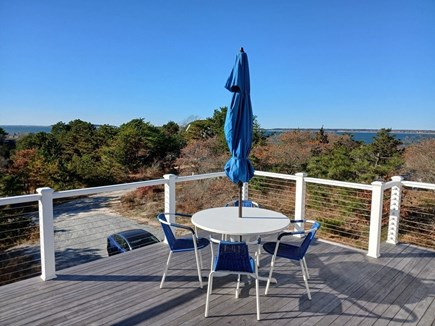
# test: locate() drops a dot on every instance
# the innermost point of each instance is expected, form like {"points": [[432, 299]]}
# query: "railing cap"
{"points": [[44, 190], [170, 176]]}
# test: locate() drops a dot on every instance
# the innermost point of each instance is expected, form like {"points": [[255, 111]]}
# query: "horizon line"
{"points": [[274, 128]]}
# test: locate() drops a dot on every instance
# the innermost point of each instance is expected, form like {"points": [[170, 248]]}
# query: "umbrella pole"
{"points": [[240, 198]]}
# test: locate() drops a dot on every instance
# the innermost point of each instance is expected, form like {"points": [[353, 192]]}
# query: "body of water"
{"points": [[367, 137], [406, 138], [15, 130]]}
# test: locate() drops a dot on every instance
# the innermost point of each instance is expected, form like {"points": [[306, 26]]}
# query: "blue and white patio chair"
{"points": [[184, 244], [292, 252], [233, 258], [245, 203]]}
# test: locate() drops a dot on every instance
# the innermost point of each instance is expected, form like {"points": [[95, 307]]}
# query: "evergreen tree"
{"points": [[358, 162], [4, 149], [321, 136]]}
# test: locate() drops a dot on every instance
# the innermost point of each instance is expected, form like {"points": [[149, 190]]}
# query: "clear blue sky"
{"points": [[340, 64]]}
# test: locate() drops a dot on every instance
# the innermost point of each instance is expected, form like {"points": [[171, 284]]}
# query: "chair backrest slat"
{"points": [[245, 203], [308, 239], [170, 237], [233, 256]]}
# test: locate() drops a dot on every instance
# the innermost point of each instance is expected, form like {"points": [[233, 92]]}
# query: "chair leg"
{"points": [[200, 260], [238, 286], [209, 289], [305, 279], [257, 294], [198, 268], [272, 264], [166, 269], [306, 268]]}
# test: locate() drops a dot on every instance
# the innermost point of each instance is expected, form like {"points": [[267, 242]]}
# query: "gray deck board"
{"points": [[413, 282], [428, 317], [328, 303], [347, 288], [391, 282]]}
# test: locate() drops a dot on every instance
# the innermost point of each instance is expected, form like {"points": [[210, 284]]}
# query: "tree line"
{"points": [[80, 154]]}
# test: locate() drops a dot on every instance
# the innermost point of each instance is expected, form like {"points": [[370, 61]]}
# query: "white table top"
{"points": [[254, 221]]}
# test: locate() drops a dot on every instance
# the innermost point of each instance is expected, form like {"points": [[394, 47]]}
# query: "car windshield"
{"points": [[141, 240], [121, 241]]}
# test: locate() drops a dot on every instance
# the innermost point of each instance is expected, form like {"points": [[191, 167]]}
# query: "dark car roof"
{"points": [[138, 237], [133, 232]]}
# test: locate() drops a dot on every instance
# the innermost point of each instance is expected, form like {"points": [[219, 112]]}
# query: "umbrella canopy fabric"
{"points": [[239, 122]]}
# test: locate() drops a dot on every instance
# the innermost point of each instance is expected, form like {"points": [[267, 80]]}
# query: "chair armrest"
{"points": [[184, 215], [283, 234], [180, 226], [176, 225], [303, 221], [213, 240], [178, 214]]}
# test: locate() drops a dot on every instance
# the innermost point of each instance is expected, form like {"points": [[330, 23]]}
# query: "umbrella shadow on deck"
{"points": [[350, 285], [372, 290]]}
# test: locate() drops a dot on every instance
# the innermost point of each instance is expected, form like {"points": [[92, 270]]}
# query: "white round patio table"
{"points": [[254, 221]]}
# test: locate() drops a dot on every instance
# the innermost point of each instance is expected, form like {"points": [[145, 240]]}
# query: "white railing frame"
{"points": [[45, 197], [170, 198], [395, 200], [245, 191], [46, 234], [301, 190], [419, 185], [374, 249]]}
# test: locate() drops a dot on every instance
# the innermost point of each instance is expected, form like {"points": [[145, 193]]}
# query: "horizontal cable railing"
{"points": [[342, 208], [344, 213], [417, 215], [275, 193], [194, 194], [20, 255]]}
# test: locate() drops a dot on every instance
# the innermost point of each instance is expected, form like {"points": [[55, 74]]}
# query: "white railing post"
{"points": [[376, 220], [300, 200], [170, 195], [245, 191], [393, 223], [46, 233]]}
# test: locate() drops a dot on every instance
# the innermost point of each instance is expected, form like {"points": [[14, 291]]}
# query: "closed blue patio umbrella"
{"points": [[239, 125]]}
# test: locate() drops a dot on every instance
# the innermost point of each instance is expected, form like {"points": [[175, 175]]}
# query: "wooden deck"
{"points": [[348, 288]]}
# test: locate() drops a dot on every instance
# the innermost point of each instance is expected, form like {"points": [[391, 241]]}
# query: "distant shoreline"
{"points": [[15, 131], [344, 130]]}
